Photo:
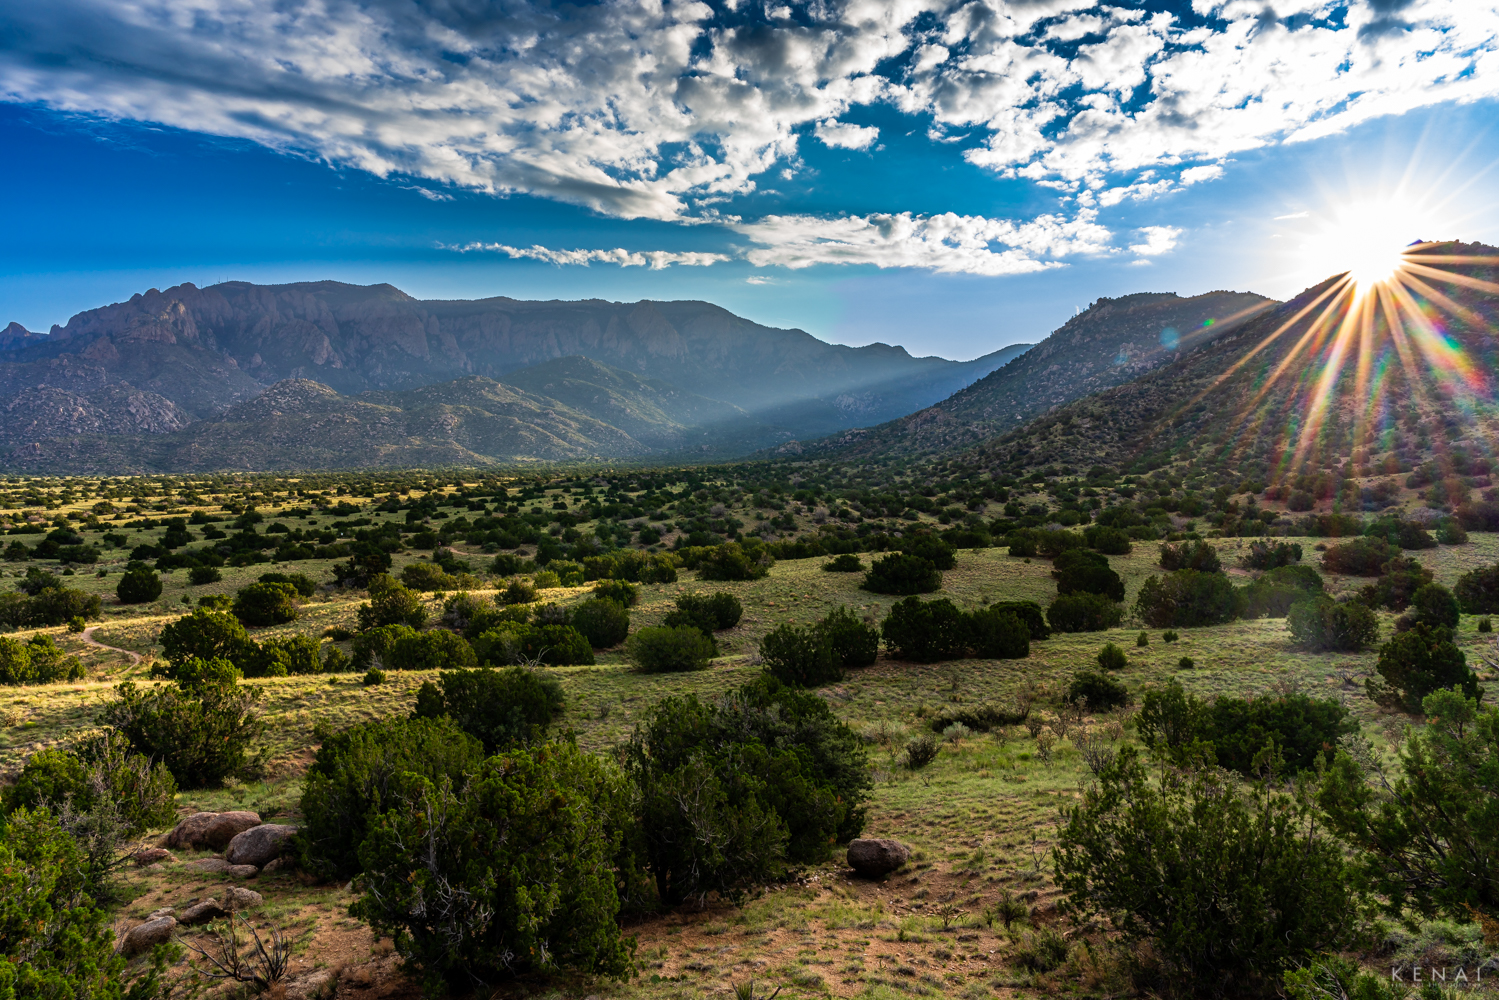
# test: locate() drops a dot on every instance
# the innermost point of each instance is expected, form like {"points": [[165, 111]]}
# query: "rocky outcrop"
{"points": [[226, 826], [145, 936], [259, 845], [875, 857]]}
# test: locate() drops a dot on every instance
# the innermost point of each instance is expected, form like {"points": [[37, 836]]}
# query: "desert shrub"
{"points": [[206, 635], [901, 573], [1477, 591], [1435, 605], [95, 769], [1271, 555], [659, 568], [1197, 554], [1229, 883], [555, 645], [552, 819], [262, 604], [499, 708], [800, 657], [730, 561], [621, 592], [1021, 543], [57, 606], [372, 677], [426, 577], [567, 572], [1450, 531], [931, 548], [290, 655], [668, 649], [390, 604], [926, 631], [1402, 577], [603, 622], [1083, 613], [1272, 595], [980, 718], [518, 592], [845, 563], [1359, 557], [998, 633], [1030, 614], [138, 586], [1097, 690], [1111, 657], [1186, 598], [733, 790], [1291, 731], [921, 751], [709, 612], [434, 650], [1323, 624], [1485, 625], [1417, 662], [200, 575], [1052, 542], [351, 781], [1418, 856], [855, 643], [1185, 663], [304, 585], [203, 730], [38, 661], [1078, 571], [1142, 640], [373, 647], [1108, 540]]}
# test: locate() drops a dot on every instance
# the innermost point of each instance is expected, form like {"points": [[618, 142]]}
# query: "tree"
{"points": [[1417, 662], [800, 657], [998, 633], [140, 585], [500, 708], [1078, 571], [926, 631], [901, 573], [1273, 594], [38, 661], [1426, 836], [603, 622], [1231, 884], [1083, 613], [1186, 598], [1359, 557], [204, 729], [93, 771], [1325, 624], [1271, 555], [1435, 605], [1477, 591], [286, 656], [1097, 691], [1198, 555], [391, 604], [730, 561], [853, 642], [262, 604], [666, 649], [434, 650]]}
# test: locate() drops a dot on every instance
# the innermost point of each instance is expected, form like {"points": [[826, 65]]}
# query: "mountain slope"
{"points": [[206, 349], [1112, 342]]}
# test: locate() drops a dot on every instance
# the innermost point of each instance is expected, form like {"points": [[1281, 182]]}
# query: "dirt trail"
{"points": [[88, 640]]}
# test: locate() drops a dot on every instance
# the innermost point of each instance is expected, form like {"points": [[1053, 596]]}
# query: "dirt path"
{"points": [[88, 640]]}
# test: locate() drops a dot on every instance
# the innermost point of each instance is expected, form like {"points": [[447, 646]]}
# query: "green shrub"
{"points": [[555, 645], [1111, 657], [304, 585], [434, 650], [620, 592], [899, 573], [733, 790], [292, 655], [1359, 557], [980, 718], [1264, 555], [998, 633], [1477, 591], [1083, 613], [853, 642], [1272, 595], [1416, 663], [1021, 543], [1403, 576], [1030, 614], [1110, 541], [669, 649], [428, 577], [206, 635], [1053, 542], [709, 612], [730, 561], [1078, 571], [200, 575], [138, 586], [602, 621], [518, 592], [800, 657], [1198, 555], [931, 548], [1142, 640], [390, 604], [1185, 598], [1185, 663], [1169, 636], [352, 780], [1485, 625], [552, 820], [1324, 624], [1097, 691], [926, 631], [203, 730], [1435, 605], [499, 708], [921, 751], [1450, 531], [262, 604], [38, 661], [845, 563], [373, 676], [568, 573], [57, 606], [373, 648], [96, 770], [1230, 884]]}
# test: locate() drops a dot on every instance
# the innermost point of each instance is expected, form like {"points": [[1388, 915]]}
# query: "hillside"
{"points": [[1112, 342], [207, 349]]}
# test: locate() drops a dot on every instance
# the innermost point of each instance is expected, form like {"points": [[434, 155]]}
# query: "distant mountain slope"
{"points": [[206, 349], [1112, 342]]}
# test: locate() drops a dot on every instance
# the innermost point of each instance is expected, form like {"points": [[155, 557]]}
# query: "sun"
{"points": [[1365, 240]]}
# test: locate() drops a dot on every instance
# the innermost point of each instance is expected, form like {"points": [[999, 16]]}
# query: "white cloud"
{"points": [[841, 135], [1158, 240], [656, 260]]}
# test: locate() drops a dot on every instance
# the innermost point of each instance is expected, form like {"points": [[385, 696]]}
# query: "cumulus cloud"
{"points": [[656, 260], [1158, 240], [663, 108]]}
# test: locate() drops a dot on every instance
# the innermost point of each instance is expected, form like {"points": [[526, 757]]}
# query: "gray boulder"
{"points": [[150, 856], [877, 856], [226, 826], [210, 865], [190, 831], [259, 845], [202, 913], [144, 937], [241, 871], [236, 898]]}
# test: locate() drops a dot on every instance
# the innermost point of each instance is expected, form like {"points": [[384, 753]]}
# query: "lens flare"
{"points": [[1366, 241]]}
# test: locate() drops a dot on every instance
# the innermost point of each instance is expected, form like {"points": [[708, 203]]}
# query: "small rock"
{"points": [[165, 911], [241, 871], [227, 825], [236, 898], [281, 864], [190, 832], [144, 937], [150, 856], [259, 845], [877, 856], [202, 913], [315, 985], [210, 865]]}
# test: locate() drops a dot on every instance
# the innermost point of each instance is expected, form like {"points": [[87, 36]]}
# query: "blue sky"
{"points": [[950, 176]]}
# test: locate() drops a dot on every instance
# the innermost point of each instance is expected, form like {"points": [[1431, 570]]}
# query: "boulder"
{"points": [[202, 912], [210, 865], [226, 826], [315, 985], [282, 864], [144, 937], [150, 856], [190, 832], [236, 898], [877, 856], [259, 844], [241, 871]]}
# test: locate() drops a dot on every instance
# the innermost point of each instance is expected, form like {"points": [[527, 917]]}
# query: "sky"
{"points": [[948, 175]]}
